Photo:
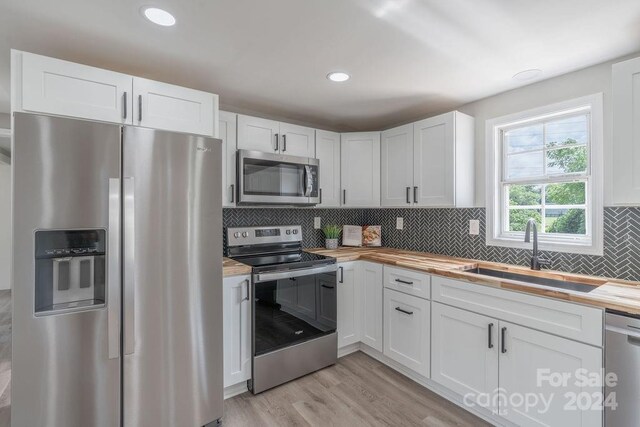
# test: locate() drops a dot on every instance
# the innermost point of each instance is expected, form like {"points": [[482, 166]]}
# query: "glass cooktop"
{"points": [[284, 260]]}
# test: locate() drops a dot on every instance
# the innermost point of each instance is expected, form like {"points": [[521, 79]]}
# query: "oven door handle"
{"points": [[268, 277]]}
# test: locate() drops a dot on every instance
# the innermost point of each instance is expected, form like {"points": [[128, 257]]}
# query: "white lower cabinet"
{"points": [[370, 278], [348, 322], [237, 329], [527, 356], [464, 356], [407, 330]]}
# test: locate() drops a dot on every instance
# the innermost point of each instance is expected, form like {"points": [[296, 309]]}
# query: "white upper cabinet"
{"points": [[227, 133], [626, 132], [443, 161], [328, 153], [269, 136], [163, 106], [297, 140], [360, 169], [255, 133], [396, 175], [53, 86]]}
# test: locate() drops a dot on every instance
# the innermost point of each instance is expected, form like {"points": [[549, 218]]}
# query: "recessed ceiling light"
{"points": [[527, 74], [159, 16], [338, 76]]}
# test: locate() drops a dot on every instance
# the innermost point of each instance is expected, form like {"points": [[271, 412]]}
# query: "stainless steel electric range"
{"points": [[293, 296]]}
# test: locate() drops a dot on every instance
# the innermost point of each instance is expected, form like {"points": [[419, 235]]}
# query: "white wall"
{"points": [[5, 226], [573, 85]]}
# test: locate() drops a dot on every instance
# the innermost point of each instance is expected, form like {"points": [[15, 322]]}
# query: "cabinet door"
{"points": [[297, 140], [348, 305], [163, 106], [626, 132], [258, 134], [407, 330], [63, 88], [433, 161], [227, 133], [464, 352], [525, 355], [360, 169], [237, 330], [370, 278], [328, 153], [396, 176]]}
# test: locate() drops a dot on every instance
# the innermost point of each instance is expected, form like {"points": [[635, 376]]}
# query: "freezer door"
{"points": [[172, 251], [66, 296]]}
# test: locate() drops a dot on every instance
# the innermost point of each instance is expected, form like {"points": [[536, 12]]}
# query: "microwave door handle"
{"points": [[308, 180]]}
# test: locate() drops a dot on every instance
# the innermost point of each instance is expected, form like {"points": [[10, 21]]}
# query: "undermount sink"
{"points": [[562, 284]]}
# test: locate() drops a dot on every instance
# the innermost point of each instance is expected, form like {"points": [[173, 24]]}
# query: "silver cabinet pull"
{"points": [[139, 108], [404, 311], [113, 270], [233, 193], [490, 338], [409, 195], [341, 274], [502, 337], [124, 105], [246, 282], [277, 143], [415, 194], [284, 143], [129, 263]]}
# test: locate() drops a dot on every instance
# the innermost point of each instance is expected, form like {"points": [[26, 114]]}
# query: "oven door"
{"points": [[265, 178], [293, 307]]}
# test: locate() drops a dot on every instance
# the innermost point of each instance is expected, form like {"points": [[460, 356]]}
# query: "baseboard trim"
{"points": [[426, 383], [234, 390]]}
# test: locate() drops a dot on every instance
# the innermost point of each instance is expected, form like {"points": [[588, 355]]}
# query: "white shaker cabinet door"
{"points": [[328, 153], [53, 86], [464, 353], [297, 140], [348, 322], [237, 329], [164, 106], [396, 175], [360, 169], [227, 133], [255, 133], [527, 358]]}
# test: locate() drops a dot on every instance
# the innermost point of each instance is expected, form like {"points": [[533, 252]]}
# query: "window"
{"points": [[546, 164]]}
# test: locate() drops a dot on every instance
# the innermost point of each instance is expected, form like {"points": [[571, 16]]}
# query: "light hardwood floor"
{"points": [[5, 358], [357, 391]]}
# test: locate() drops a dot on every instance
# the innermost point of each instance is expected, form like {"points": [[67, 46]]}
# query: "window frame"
{"points": [[496, 185]]}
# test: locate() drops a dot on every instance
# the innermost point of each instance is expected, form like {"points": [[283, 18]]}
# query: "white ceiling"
{"points": [[407, 58]]}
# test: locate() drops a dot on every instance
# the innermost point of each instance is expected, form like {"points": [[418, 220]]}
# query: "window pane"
{"points": [[525, 195], [518, 218], [567, 160], [568, 193], [524, 138], [525, 165], [567, 131], [567, 221]]}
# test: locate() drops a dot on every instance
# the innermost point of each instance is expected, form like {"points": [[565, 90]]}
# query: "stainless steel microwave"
{"points": [[277, 179]]}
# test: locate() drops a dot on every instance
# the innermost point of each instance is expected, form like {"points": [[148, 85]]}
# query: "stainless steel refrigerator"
{"points": [[117, 264]]}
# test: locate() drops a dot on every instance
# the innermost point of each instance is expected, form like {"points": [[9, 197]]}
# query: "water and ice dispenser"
{"points": [[70, 270]]}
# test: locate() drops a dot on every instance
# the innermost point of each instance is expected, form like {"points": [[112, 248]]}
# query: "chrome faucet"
{"points": [[536, 262]]}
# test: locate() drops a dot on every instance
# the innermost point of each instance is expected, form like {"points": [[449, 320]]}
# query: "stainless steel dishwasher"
{"points": [[622, 357]]}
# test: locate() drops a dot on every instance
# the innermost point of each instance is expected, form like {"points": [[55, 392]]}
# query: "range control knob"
{"points": [[295, 231], [236, 234], [288, 231], [245, 234]]}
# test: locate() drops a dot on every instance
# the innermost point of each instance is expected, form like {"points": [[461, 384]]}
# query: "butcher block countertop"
{"points": [[234, 268], [613, 294]]}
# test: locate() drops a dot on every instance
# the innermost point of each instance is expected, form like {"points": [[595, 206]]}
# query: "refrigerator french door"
{"points": [[117, 262]]}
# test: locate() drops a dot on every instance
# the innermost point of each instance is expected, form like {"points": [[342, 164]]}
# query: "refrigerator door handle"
{"points": [[113, 270], [129, 266]]}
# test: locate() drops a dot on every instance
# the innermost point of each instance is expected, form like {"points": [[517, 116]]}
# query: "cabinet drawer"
{"points": [[568, 320], [407, 330], [408, 282]]}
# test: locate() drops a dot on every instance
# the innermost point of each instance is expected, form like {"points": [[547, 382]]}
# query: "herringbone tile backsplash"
{"points": [[446, 231]]}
